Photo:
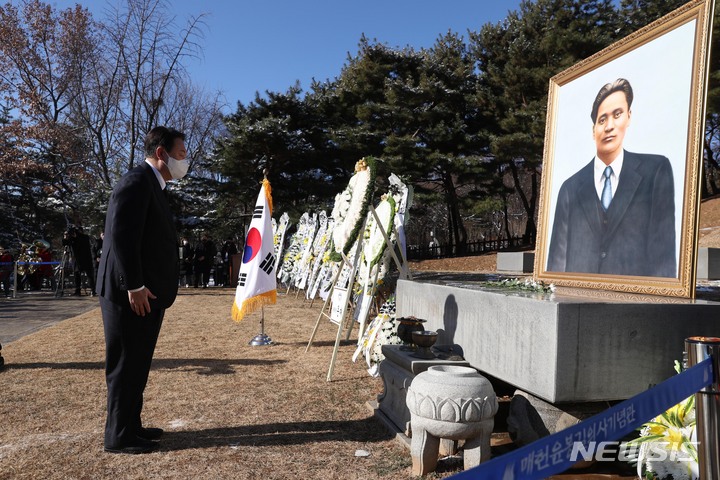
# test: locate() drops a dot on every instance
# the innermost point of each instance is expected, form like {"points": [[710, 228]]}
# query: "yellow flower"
{"points": [[675, 437], [655, 429], [678, 411]]}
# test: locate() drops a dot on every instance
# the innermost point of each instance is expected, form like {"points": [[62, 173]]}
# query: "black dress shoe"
{"points": [[140, 445], [150, 433]]}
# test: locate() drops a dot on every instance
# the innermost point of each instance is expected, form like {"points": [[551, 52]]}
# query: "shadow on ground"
{"points": [[292, 433], [203, 366]]}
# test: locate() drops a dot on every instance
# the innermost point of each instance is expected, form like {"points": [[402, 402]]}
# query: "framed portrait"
{"points": [[623, 160]]}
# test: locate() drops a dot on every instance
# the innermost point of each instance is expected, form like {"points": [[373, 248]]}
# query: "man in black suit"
{"points": [[79, 243], [616, 216], [137, 281]]}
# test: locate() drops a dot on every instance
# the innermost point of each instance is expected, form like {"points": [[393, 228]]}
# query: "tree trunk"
{"points": [[506, 219], [530, 226], [528, 204], [708, 184], [458, 230]]}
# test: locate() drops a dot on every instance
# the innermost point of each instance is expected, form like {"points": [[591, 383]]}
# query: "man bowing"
{"points": [[137, 281]]}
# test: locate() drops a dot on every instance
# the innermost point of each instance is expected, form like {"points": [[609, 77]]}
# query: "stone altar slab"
{"points": [[708, 263], [570, 346], [515, 262]]}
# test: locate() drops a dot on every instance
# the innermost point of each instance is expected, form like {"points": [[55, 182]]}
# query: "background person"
{"points": [[186, 253], [79, 244], [97, 249], [204, 257], [44, 271], [137, 281], [6, 270], [227, 250]]}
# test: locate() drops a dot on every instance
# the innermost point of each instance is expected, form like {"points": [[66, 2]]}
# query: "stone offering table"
{"points": [[570, 346]]}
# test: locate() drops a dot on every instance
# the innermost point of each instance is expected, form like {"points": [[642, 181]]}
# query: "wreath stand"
{"points": [[283, 225], [400, 262], [318, 276], [338, 315]]}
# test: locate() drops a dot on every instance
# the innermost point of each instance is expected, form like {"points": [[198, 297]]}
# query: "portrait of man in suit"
{"points": [[616, 215], [138, 280]]}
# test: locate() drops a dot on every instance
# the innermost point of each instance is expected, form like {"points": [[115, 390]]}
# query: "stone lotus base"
{"points": [[453, 403], [397, 371]]}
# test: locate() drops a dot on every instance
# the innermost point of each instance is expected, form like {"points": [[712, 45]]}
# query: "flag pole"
{"points": [[261, 339]]}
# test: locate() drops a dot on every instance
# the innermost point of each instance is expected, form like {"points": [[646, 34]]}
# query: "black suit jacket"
{"points": [[636, 236], [140, 246]]}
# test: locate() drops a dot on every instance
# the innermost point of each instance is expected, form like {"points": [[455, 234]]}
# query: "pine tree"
{"points": [[516, 59]]}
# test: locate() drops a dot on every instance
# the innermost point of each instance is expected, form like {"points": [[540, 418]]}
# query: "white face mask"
{"points": [[178, 168]]}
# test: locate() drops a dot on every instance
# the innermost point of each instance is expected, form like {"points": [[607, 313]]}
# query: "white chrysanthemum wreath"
{"points": [[381, 331], [374, 245], [351, 206]]}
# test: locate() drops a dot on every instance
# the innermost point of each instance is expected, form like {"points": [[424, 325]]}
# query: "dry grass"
{"points": [[229, 410], [479, 263]]}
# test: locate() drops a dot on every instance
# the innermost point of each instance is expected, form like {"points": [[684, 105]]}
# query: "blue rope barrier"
{"points": [[31, 263], [552, 454]]}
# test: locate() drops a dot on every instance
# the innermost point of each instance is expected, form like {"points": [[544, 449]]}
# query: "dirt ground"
{"points": [[229, 410], [709, 225]]}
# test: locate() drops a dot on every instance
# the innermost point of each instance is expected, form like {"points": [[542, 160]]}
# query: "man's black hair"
{"points": [[619, 85], [161, 137]]}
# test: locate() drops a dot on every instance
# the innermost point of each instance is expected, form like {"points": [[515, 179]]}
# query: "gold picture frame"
{"points": [[624, 242]]}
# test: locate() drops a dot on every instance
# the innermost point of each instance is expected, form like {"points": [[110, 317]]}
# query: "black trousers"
{"points": [[129, 345], [90, 276]]}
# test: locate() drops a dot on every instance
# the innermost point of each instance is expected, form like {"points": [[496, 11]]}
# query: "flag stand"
{"points": [[261, 339], [252, 287]]}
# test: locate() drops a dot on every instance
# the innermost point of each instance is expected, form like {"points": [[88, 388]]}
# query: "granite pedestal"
{"points": [[708, 264], [570, 346], [522, 262]]}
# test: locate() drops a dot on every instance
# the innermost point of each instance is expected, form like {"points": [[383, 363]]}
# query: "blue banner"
{"points": [[552, 454], [32, 263]]}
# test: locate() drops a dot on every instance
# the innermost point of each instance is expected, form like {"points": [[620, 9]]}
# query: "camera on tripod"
{"points": [[71, 231]]}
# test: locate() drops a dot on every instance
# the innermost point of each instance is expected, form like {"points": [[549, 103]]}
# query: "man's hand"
{"points": [[139, 302]]}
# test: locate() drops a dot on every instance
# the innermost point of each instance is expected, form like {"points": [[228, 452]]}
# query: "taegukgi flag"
{"points": [[256, 280]]}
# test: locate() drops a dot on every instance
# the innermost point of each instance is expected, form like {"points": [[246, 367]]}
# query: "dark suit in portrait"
{"points": [[636, 236], [139, 257]]}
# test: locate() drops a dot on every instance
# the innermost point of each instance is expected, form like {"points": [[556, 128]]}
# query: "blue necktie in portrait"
{"points": [[607, 189]]}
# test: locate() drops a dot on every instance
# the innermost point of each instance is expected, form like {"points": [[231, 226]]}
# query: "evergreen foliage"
{"points": [[462, 121]]}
